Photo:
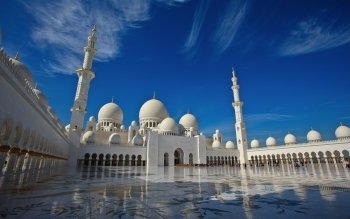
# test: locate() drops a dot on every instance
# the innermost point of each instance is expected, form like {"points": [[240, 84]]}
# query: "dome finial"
{"points": [[188, 110], [154, 95], [233, 71], [94, 28], [341, 123], [36, 86], [17, 56], [112, 99]]}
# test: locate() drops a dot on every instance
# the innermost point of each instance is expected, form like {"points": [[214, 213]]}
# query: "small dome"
{"points": [[188, 120], [168, 125], [153, 110], [271, 141], [229, 144], [254, 143], [217, 131], [23, 69], [133, 123], [313, 136], [89, 137], [216, 144], [137, 140], [41, 97], [92, 119], [114, 139], [67, 127], [111, 112], [342, 132], [122, 127], [290, 139]]}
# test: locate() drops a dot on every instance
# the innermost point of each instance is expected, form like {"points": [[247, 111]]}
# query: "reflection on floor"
{"points": [[178, 192]]}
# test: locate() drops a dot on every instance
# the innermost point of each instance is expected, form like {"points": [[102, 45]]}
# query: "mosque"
{"points": [[32, 137]]}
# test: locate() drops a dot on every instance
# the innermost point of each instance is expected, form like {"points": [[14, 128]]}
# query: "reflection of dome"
{"points": [[111, 112], [342, 132], [188, 120], [254, 143], [271, 141], [114, 139], [229, 144], [89, 137], [168, 126], [153, 110], [290, 139], [313, 136], [216, 144], [23, 70], [137, 140]]}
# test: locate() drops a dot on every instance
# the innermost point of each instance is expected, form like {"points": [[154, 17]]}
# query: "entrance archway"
{"points": [[166, 159], [178, 156]]}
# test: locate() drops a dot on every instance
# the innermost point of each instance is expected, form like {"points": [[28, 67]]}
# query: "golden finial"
{"points": [[154, 94], [188, 110], [112, 99], [17, 56]]}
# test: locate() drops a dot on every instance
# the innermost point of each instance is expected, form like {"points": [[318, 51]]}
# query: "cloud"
{"points": [[229, 25], [198, 20], [62, 28], [266, 117], [310, 36]]}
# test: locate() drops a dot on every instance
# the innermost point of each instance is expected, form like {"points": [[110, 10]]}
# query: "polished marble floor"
{"points": [[311, 191]]}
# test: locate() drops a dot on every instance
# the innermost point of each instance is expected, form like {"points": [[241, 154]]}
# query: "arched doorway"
{"points": [[178, 156], [191, 159], [166, 159]]}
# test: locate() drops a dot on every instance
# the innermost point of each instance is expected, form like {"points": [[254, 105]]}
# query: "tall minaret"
{"points": [[241, 134], [85, 75]]}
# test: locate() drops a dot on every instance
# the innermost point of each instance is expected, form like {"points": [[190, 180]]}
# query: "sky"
{"points": [[291, 59]]}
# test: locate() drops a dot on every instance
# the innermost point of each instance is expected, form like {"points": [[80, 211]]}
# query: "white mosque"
{"points": [[31, 135]]}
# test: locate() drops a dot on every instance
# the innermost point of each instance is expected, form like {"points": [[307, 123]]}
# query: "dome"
{"points": [[137, 140], [154, 110], [216, 144], [188, 120], [229, 144], [217, 131], [122, 127], [290, 139], [133, 123], [23, 69], [92, 119], [168, 125], [89, 137], [111, 112], [41, 97], [271, 141], [254, 143], [342, 132], [114, 139], [313, 136]]}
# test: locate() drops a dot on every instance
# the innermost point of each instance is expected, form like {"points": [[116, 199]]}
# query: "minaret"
{"points": [[241, 134], [85, 75]]}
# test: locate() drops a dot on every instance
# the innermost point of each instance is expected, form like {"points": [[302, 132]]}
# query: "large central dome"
{"points": [[153, 110], [110, 112]]}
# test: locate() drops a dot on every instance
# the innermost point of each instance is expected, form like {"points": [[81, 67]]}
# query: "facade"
{"points": [[32, 136]]}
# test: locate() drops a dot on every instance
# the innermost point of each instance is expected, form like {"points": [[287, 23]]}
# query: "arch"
{"points": [[190, 156], [178, 156], [5, 130], [120, 160], [17, 134], [100, 159], [133, 160], [345, 154], [86, 159], [219, 160], [108, 160], [93, 159], [114, 160], [307, 157], [337, 157], [329, 157], [211, 160], [25, 138], [139, 160], [321, 156], [166, 159], [127, 160], [314, 157]]}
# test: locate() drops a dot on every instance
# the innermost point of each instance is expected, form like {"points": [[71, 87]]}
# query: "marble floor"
{"points": [[313, 191]]}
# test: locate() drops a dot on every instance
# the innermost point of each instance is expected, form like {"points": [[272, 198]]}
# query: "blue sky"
{"points": [[291, 58]]}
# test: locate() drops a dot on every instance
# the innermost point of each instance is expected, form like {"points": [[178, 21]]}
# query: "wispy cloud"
{"points": [[265, 117], [310, 36], [229, 25], [198, 20], [62, 27]]}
